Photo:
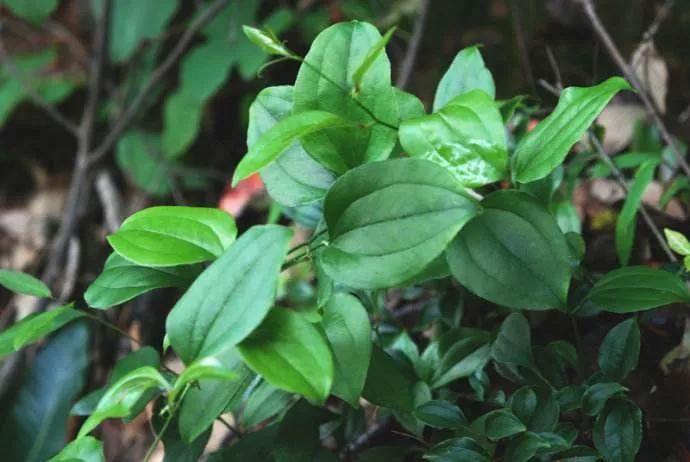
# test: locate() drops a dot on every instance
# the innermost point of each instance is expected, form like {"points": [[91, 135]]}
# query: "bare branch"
{"points": [[407, 65]]}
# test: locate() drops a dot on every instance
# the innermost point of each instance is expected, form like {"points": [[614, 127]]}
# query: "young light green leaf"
{"points": [[283, 134], [625, 225], [123, 395], [267, 42], [466, 137], [174, 235], [23, 283], [231, 297], [677, 242], [86, 449], [457, 450], [513, 254], [290, 352], [467, 72], [513, 345], [387, 385], [371, 58], [618, 431], [122, 280], [205, 368], [638, 288], [325, 82], [294, 178], [34, 327], [266, 401], [440, 414], [347, 327], [620, 350], [388, 220], [545, 147], [596, 396]]}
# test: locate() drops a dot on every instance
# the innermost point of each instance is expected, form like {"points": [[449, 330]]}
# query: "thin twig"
{"points": [[407, 64], [25, 83], [519, 30], [651, 108], [660, 16]]}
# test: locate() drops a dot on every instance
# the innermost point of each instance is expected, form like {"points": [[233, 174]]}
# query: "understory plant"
{"points": [[459, 215]]}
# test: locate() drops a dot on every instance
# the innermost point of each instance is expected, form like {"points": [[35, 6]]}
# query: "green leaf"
{"points": [[625, 225], [231, 297], [467, 72], [138, 154], [463, 359], [253, 446], [281, 136], [524, 447], [513, 345], [34, 421], [677, 242], [371, 57], [267, 42], [440, 414], [123, 395], [409, 106], [205, 368], [325, 82], [122, 280], [466, 137], [133, 21], [618, 431], [290, 352], [387, 385], [34, 11], [34, 327], [175, 448], [638, 288], [499, 424], [86, 449], [181, 121], [513, 254], [578, 454], [596, 396], [457, 450], [347, 327], [174, 235], [620, 350], [294, 178], [266, 401], [23, 283], [388, 220], [297, 439], [539, 411], [545, 147]]}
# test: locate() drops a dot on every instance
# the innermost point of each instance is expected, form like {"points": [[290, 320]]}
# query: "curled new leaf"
{"points": [[267, 42]]}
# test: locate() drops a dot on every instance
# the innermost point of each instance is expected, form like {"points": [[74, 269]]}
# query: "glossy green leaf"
{"points": [[409, 106], [231, 297], [174, 235], [595, 397], [457, 450], [440, 414], [122, 280], [123, 395], [281, 136], [371, 57], [387, 385], [294, 178], [638, 288], [466, 137], [266, 41], [388, 220], [618, 431], [545, 147], [620, 350], [467, 72], [86, 449], [626, 223], [205, 368], [347, 328], [23, 283], [34, 421], [34, 327], [499, 424], [513, 345], [266, 401], [325, 82], [133, 21], [290, 352], [677, 242], [463, 359], [513, 254], [34, 11]]}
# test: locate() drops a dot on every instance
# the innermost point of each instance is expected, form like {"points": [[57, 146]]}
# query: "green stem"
{"points": [[159, 436]]}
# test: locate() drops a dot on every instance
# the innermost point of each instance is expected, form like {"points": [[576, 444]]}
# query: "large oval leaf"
{"points": [[290, 352], [122, 280], [545, 147], [388, 220], [514, 254], [466, 137], [325, 82], [347, 327], [231, 297], [174, 235], [618, 431], [467, 72], [638, 288], [294, 178], [387, 384]]}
